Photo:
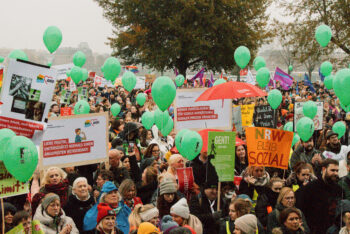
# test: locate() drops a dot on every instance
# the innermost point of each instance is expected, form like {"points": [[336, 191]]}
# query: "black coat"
{"points": [[269, 198], [145, 192], [318, 202], [248, 189], [202, 171], [135, 172], [120, 174]]}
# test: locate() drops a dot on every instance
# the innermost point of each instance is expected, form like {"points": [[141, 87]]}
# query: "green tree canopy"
{"points": [[186, 34]]}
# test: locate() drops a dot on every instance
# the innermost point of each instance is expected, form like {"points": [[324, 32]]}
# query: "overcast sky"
{"points": [[23, 22]]}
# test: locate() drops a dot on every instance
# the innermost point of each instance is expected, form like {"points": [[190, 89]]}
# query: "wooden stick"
{"points": [[219, 193], [284, 172], [3, 215]]}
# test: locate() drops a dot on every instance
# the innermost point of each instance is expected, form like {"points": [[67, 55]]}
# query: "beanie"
{"points": [[48, 199], [147, 228], [167, 186], [167, 224], [181, 209], [104, 210], [149, 214], [247, 223]]}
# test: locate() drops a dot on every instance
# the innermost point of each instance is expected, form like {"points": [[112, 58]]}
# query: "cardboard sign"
{"points": [[10, 186], [298, 114], [185, 179], [247, 114], [140, 82], [75, 140], [268, 147], [215, 114], [237, 118], [264, 116], [222, 146], [19, 229], [62, 70], [65, 111], [150, 78]]}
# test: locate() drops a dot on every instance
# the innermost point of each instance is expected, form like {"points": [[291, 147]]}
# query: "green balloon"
{"points": [[82, 107], [296, 138], [147, 120], [345, 108], [258, 63], [115, 109], [274, 98], [76, 74], [52, 38], [178, 138], [328, 82], [242, 56], [68, 73], [5, 135], [111, 69], [191, 145], [179, 80], [288, 127], [21, 158], [49, 64], [18, 54], [163, 92], [219, 81], [129, 80], [85, 74], [141, 99], [263, 77], [79, 59], [340, 128], [323, 35], [2, 59], [310, 109], [326, 68], [161, 118], [341, 86], [290, 68], [168, 127], [305, 128]]}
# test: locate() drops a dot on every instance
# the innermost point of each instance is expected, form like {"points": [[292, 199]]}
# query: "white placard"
{"points": [[140, 82], [75, 140], [298, 114], [102, 82], [62, 70], [215, 114]]}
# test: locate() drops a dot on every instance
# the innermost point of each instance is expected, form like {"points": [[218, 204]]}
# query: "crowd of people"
{"points": [[137, 191]]}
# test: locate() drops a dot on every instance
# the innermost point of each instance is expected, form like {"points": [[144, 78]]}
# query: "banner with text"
{"points": [[298, 114], [237, 118], [9, 185], [75, 140], [222, 146], [215, 114], [264, 116], [247, 114], [268, 147]]}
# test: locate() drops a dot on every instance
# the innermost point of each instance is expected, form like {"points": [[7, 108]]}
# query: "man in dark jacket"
{"points": [[120, 173], [344, 182], [319, 198]]}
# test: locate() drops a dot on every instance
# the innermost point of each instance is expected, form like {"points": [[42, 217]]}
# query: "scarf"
{"points": [[61, 189]]}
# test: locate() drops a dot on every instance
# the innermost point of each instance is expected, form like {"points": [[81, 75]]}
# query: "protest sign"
{"points": [[75, 140], [268, 147], [62, 70], [82, 94], [264, 116], [140, 82], [1, 76], [65, 111], [237, 118], [102, 82], [9, 185], [215, 114], [247, 114], [222, 146], [19, 229], [185, 179], [65, 97], [150, 78], [298, 114], [72, 86]]}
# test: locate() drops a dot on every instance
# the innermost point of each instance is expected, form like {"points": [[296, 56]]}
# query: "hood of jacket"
{"points": [[47, 220]]}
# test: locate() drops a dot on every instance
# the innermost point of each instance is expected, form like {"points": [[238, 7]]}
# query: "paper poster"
{"points": [[247, 114], [72, 86], [298, 114], [140, 82], [222, 146], [65, 111], [268, 147], [264, 116], [9, 185], [215, 114], [185, 179], [237, 118], [75, 140], [62, 70], [65, 96], [1, 76], [102, 82], [82, 94]]}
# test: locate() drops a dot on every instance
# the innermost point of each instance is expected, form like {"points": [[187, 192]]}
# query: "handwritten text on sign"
{"points": [[268, 147], [247, 114], [9, 186]]}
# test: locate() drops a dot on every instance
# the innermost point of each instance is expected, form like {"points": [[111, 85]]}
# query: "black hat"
{"points": [[331, 133]]}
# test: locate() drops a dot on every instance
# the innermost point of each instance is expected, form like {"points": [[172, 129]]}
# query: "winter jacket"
{"points": [[342, 207], [265, 204], [227, 226], [49, 226], [344, 183], [134, 172], [145, 192], [338, 153], [300, 155], [120, 174], [195, 224], [273, 219], [284, 230], [260, 186], [202, 171], [318, 202], [76, 209]]}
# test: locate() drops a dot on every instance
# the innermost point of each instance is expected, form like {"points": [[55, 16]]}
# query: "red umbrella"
{"points": [[231, 90], [204, 135]]}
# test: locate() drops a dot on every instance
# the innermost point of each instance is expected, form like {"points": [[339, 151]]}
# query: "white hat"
{"points": [[181, 209]]}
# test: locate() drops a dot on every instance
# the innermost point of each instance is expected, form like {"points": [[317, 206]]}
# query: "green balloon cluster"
{"points": [[219, 81], [163, 92], [274, 98], [328, 82], [82, 107], [52, 38], [161, 118], [147, 120], [310, 109], [323, 35], [288, 127], [326, 68], [179, 80], [79, 59], [341, 86], [189, 144], [129, 80], [340, 128], [115, 109], [76, 73], [263, 77], [305, 128], [111, 69], [141, 99], [242, 56], [258, 63], [5, 135], [18, 54], [168, 127]]}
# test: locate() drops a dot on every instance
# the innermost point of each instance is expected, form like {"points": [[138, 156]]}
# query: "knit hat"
{"points": [[247, 223], [167, 186], [104, 210], [168, 224], [331, 133], [181, 209], [108, 186], [149, 214], [147, 228], [48, 199]]}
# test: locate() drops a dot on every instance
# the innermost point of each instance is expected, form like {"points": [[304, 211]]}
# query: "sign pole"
{"points": [[219, 194], [3, 215]]}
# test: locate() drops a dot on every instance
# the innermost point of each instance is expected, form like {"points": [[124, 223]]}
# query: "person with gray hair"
{"points": [[79, 202]]}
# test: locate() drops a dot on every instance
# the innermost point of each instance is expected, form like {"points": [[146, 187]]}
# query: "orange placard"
{"points": [[268, 147]]}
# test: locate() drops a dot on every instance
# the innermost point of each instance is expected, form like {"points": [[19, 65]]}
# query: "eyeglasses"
{"points": [[155, 151]]}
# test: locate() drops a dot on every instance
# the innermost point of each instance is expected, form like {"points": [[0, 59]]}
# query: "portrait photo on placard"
{"points": [[18, 105], [35, 110], [20, 87]]}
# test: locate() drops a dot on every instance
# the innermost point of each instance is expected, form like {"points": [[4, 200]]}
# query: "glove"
{"points": [[217, 215]]}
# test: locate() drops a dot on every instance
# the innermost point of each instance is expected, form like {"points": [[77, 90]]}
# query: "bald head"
{"points": [[114, 157]]}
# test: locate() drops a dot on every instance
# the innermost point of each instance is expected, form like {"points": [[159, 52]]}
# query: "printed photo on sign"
{"points": [[35, 110], [20, 87]]}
